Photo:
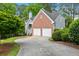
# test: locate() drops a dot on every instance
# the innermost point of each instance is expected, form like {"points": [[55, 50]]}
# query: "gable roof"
{"points": [[45, 14], [53, 15]]}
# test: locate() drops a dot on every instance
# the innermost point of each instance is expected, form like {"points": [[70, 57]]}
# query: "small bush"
{"points": [[56, 29], [74, 31], [61, 35], [65, 35], [57, 35]]}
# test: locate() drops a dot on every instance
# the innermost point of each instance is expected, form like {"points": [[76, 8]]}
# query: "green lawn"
{"points": [[14, 47], [14, 51], [8, 40]]}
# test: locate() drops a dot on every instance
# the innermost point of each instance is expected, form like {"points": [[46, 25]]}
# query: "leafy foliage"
{"points": [[74, 31], [34, 8], [65, 34], [8, 8], [47, 6], [71, 34], [68, 20], [61, 35], [9, 24], [57, 35]]}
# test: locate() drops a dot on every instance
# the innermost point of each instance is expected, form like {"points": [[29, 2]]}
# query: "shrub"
{"points": [[65, 37], [65, 34], [56, 29], [57, 35], [74, 31], [10, 24]]}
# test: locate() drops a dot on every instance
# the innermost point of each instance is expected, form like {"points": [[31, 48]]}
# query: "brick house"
{"points": [[44, 23]]}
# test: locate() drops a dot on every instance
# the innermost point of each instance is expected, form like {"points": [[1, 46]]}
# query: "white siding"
{"points": [[59, 22], [25, 27], [27, 30]]}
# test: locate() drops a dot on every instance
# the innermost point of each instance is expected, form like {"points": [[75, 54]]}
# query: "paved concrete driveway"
{"points": [[41, 46]]}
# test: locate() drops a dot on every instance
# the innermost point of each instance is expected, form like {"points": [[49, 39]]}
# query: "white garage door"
{"points": [[46, 32], [37, 32]]}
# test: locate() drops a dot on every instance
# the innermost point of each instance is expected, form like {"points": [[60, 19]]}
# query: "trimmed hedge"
{"points": [[74, 31], [61, 35]]}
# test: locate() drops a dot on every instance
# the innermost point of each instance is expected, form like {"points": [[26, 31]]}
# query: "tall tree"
{"points": [[21, 10], [69, 9], [8, 8], [47, 6], [34, 8], [10, 24]]}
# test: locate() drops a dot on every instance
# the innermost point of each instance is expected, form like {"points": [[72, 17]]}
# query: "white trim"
{"points": [[48, 17], [36, 16], [45, 14]]}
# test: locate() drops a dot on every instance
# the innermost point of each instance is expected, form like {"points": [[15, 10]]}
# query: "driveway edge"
{"points": [[19, 51]]}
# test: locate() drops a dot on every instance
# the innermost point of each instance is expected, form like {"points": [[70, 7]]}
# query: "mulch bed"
{"points": [[69, 44], [5, 48]]}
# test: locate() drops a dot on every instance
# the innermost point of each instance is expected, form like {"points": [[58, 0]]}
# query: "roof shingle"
{"points": [[52, 15]]}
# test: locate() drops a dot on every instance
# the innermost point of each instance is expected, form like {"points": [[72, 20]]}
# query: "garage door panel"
{"points": [[37, 32], [46, 32]]}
